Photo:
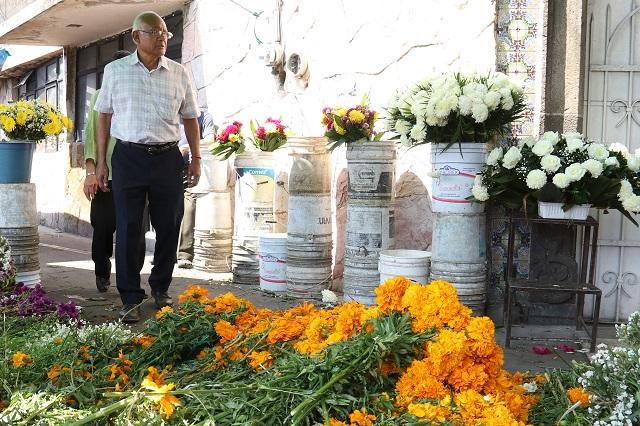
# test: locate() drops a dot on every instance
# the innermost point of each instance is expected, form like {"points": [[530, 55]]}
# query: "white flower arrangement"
{"points": [[451, 108], [565, 169]]}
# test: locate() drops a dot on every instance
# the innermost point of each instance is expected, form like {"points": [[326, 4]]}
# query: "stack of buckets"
{"points": [[309, 227], [458, 248], [370, 216], [212, 229], [254, 193], [19, 225]]}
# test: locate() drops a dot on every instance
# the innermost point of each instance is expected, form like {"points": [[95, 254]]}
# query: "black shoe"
{"points": [[162, 299], [102, 284], [130, 313]]}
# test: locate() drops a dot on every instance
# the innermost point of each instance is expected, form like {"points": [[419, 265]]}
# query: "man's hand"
{"points": [[90, 187], [102, 176], [193, 172]]}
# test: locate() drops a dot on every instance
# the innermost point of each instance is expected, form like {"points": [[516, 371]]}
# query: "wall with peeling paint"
{"points": [[352, 48]]}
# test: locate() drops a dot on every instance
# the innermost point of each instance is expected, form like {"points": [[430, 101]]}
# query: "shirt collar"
{"points": [[133, 59]]}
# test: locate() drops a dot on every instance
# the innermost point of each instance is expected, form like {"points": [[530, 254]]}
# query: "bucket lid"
{"points": [[405, 254]]}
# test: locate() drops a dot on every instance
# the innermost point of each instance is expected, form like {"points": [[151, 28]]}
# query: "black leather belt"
{"points": [[155, 148]]}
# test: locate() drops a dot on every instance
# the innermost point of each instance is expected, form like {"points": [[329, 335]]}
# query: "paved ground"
{"points": [[67, 273]]}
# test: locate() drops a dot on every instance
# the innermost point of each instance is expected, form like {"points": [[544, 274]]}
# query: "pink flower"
{"points": [[260, 133], [541, 350], [566, 348]]}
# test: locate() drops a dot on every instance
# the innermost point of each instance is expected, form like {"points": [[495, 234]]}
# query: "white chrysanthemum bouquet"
{"points": [[562, 169], [453, 108]]}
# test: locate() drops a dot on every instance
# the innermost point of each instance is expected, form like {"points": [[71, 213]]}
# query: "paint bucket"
{"points": [[371, 168], [273, 262], [411, 264], [309, 227], [455, 170], [19, 225], [214, 173]]}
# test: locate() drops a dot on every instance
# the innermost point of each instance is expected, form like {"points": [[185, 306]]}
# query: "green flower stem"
{"points": [[103, 412], [299, 412]]}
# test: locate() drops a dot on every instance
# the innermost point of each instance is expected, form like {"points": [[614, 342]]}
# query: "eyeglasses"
{"points": [[158, 33]]}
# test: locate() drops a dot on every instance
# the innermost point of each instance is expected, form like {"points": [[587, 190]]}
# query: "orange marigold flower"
{"points": [[388, 367], [202, 354], [226, 331], [165, 402], [21, 359], [429, 411], [162, 312], [389, 294], [260, 360], [224, 303], [578, 395], [336, 422], [361, 418], [418, 382], [54, 372], [194, 293], [144, 341]]}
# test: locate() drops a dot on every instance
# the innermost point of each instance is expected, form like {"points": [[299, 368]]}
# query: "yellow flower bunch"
{"points": [[32, 120], [159, 392]]}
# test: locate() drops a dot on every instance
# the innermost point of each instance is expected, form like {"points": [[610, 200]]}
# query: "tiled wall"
{"points": [[520, 52]]}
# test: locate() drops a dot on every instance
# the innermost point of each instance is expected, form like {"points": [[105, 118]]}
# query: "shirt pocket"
{"points": [[167, 105]]}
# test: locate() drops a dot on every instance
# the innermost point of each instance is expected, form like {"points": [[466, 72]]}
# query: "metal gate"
{"points": [[612, 114]]}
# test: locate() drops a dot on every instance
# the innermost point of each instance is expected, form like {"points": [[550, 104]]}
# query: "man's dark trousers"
{"points": [[138, 174], [103, 221]]}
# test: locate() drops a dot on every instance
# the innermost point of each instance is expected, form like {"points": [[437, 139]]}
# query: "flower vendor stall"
{"points": [[370, 202], [458, 114]]}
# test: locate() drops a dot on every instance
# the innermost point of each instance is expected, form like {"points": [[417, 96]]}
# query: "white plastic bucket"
{"points": [[254, 193], [213, 211], [360, 281], [309, 216], [412, 264], [370, 229], [310, 170], [273, 262], [371, 167], [213, 173], [455, 170]]}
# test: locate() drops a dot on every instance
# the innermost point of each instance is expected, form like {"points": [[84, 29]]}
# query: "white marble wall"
{"points": [[352, 47]]}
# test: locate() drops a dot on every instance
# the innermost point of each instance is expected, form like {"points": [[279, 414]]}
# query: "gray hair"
{"points": [[147, 17]]}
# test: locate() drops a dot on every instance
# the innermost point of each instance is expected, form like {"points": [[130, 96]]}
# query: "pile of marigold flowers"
{"points": [[418, 357]]}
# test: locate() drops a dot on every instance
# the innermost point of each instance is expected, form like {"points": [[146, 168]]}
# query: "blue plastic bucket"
{"points": [[15, 161]]}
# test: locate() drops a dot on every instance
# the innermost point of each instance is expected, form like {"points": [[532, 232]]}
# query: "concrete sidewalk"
{"points": [[67, 274]]}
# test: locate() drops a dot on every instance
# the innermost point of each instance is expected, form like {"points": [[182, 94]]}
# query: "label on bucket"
{"points": [[255, 184], [456, 174], [369, 230], [370, 180], [273, 272], [253, 220], [309, 215]]}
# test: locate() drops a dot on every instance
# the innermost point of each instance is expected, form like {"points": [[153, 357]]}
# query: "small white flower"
{"points": [[494, 156], [552, 137], [550, 163], [536, 179], [480, 192], [594, 167], [575, 172], [632, 203], [329, 297], [633, 161], [618, 147], [403, 127], [479, 112], [598, 151], [418, 132], [542, 147], [511, 158], [270, 127], [561, 180], [464, 105], [492, 99], [612, 161], [574, 144], [405, 141], [626, 190], [531, 387]]}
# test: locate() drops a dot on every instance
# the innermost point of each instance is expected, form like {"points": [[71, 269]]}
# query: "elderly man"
{"points": [[142, 99]]}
